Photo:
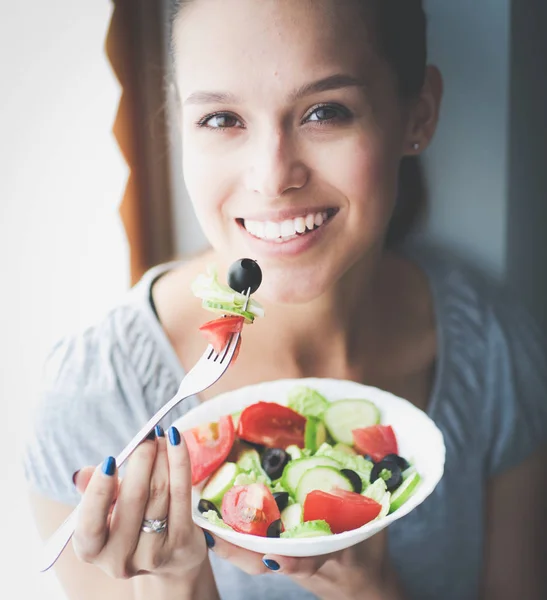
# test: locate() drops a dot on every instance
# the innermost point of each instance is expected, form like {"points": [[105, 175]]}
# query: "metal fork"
{"points": [[209, 368]]}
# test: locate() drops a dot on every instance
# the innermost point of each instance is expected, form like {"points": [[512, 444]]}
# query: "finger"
{"points": [[294, 566], [250, 562], [180, 489], [82, 478], [158, 497], [132, 499], [91, 532]]}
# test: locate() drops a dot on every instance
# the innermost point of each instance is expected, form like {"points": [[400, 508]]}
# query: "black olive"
{"points": [[393, 476], [274, 529], [401, 462], [205, 505], [282, 500], [355, 480], [244, 274], [274, 461]]}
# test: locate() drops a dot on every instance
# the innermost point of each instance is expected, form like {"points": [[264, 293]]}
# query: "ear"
{"points": [[424, 113]]}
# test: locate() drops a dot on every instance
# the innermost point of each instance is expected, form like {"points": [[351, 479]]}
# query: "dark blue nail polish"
{"points": [[158, 430], [174, 436], [109, 466], [151, 436], [271, 564], [209, 539], [74, 476]]}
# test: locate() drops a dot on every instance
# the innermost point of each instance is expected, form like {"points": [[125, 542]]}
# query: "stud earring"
{"points": [[416, 146]]}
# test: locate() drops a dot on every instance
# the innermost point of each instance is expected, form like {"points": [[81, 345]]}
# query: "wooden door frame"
{"points": [[137, 49]]}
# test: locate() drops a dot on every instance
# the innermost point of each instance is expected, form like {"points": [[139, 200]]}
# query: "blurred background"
{"points": [[91, 192]]}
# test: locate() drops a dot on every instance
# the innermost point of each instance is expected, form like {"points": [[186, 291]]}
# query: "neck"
{"points": [[334, 331]]}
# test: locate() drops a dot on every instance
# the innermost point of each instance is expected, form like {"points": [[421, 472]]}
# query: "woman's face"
{"points": [[292, 136]]}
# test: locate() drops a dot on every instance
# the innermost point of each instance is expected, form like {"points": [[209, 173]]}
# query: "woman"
{"points": [[291, 109]]}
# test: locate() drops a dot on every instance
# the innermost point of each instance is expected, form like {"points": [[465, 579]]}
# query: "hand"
{"points": [[157, 484], [360, 572]]}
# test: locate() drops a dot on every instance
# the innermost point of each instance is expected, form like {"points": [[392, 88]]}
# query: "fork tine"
{"points": [[230, 348]]}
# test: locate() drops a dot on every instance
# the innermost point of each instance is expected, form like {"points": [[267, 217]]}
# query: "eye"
{"points": [[327, 113], [219, 121]]}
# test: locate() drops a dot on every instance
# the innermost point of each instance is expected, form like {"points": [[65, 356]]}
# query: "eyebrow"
{"points": [[334, 82]]}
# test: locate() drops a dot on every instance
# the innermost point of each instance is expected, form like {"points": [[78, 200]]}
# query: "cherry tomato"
{"points": [[218, 331], [377, 441], [342, 510], [208, 446], [271, 425], [250, 509]]}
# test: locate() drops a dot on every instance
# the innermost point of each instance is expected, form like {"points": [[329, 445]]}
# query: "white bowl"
{"points": [[418, 437]]}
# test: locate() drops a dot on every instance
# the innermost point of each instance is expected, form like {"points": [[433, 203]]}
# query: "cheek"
{"points": [[365, 172], [208, 184]]}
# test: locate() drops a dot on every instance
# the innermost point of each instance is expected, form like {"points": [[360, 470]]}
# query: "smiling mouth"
{"points": [[289, 229]]}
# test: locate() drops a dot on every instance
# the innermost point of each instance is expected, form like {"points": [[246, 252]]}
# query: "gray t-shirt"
{"points": [[489, 399]]}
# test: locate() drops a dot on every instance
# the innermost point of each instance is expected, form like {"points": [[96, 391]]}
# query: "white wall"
{"points": [[467, 163], [63, 255]]}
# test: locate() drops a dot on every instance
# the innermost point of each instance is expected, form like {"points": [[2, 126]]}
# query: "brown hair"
{"points": [[400, 30]]}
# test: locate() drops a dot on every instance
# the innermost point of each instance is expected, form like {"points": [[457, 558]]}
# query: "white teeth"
{"points": [[300, 224], [251, 226], [259, 229], [285, 230], [272, 230]]}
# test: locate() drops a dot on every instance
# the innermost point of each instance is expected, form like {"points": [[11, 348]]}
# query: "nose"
{"points": [[275, 166]]}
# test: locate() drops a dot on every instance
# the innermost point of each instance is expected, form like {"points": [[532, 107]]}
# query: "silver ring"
{"points": [[154, 525]]}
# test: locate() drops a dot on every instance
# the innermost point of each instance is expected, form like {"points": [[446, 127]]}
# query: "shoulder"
{"points": [[496, 358], [98, 387]]}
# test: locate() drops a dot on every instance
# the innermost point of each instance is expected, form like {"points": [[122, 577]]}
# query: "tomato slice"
{"points": [[342, 510], [250, 508], [377, 441], [218, 331], [271, 425], [208, 446]]}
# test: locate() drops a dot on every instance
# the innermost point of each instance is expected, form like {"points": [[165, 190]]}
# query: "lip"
{"points": [[280, 215], [292, 247]]}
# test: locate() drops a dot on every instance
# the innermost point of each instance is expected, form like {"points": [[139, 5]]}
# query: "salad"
{"points": [[309, 468], [232, 301]]}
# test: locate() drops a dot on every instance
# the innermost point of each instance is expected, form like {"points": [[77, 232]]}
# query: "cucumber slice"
{"points": [[321, 478], [411, 479], [339, 447], [291, 516], [307, 401], [296, 468], [308, 529], [342, 417], [315, 434], [224, 308], [220, 482]]}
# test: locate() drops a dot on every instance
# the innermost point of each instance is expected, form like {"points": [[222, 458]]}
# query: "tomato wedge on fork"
{"points": [[218, 331]]}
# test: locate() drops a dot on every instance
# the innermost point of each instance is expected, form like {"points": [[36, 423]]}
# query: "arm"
{"points": [[516, 533]]}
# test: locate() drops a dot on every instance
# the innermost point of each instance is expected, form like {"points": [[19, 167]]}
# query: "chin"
{"points": [[292, 286]]}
